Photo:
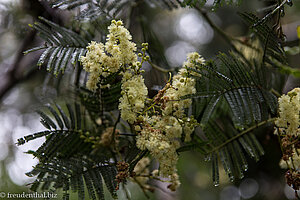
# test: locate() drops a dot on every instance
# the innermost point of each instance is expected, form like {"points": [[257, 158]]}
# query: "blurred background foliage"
{"points": [[171, 35]]}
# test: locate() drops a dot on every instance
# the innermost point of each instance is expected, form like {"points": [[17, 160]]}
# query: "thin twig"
{"points": [[160, 68], [275, 93], [114, 136]]}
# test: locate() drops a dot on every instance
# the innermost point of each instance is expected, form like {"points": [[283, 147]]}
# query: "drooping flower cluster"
{"points": [[160, 134], [193, 58], [182, 85], [175, 183], [293, 160], [161, 148], [160, 123], [134, 94], [287, 128], [289, 110], [141, 171], [104, 59]]}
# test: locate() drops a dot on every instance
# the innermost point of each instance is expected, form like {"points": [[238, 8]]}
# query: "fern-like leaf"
{"points": [[96, 104], [229, 146], [75, 174], [62, 45], [243, 93], [269, 41]]}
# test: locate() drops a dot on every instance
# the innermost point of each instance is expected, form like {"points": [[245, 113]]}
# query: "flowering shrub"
{"points": [[120, 129], [160, 122]]}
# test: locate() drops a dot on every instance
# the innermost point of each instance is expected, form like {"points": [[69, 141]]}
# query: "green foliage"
{"points": [[274, 54], [73, 174], [65, 129], [234, 97], [244, 93], [269, 40], [62, 45], [69, 162], [65, 160], [230, 90], [228, 146], [96, 104], [285, 69]]}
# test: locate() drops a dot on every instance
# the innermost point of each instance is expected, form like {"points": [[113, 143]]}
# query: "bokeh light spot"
{"points": [[176, 53], [230, 193], [191, 27], [248, 188]]}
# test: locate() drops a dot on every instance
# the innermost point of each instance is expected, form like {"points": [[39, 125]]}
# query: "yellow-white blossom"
{"points": [[289, 163], [160, 147], [104, 59], [182, 85], [155, 172], [134, 94], [170, 125], [193, 58], [175, 183], [118, 43], [160, 134], [141, 170], [289, 108], [188, 128]]}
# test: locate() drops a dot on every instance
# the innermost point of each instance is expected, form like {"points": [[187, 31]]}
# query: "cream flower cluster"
{"points": [[193, 58], [160, 126], [175, 183], [161, 148], [160, 134], [141, 171], [134, 94], [104, 59], [182, 85], [293, 161], [289, 110], [161, 138]]}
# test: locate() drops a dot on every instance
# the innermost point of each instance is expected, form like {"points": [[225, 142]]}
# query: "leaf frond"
{"points": [[235, 84], [62, 45]]}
